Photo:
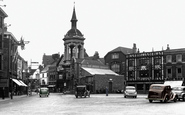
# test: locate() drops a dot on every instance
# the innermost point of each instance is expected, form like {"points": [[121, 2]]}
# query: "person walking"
{"points": [[3, 95]]}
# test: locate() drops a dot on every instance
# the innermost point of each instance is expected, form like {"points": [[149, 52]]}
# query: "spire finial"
{"points": [[73, 19]]}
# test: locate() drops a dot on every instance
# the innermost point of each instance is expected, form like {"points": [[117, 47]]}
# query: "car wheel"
{"points": [[40, 95], [166, 99], [175, 99], [76, 96], [135, 96], [125, 96], [150, 100], [183, 97]]}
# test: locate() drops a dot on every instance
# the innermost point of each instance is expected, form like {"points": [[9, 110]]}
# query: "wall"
{"points": [[102, 81]]}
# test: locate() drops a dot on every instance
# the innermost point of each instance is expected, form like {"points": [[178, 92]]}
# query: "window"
{"points": [[168, 58], [179, 70], [169, 71], [1, 62], [1, 22], [115, 56], [115, 68], [1, 41], [131, 63], [157, 61], [179, 58]]}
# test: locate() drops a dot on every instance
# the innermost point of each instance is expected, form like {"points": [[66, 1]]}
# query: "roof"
{"points": [[92, 62], [47, 59], [74, 15], [175, 50], [32, 71], [2, 12], [162, 85], [123, 49], [73, 32], [173, 83], [97, 71]]}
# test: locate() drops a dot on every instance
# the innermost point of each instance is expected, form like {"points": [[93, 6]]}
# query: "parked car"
{"points": [[44, 91], [81, 90], [130, 91], [180, 92], [162, 93]]}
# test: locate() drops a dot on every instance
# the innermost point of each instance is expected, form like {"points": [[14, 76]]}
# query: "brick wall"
{"points": [[102, 81]]}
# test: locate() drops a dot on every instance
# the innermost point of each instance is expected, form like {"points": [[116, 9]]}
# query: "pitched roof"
{"points": [[175, 50], [93, 63], [123, 49], [97, 71], [47, 59]]}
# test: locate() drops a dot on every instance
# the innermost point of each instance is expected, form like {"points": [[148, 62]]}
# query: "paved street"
{"points": [[97, 104]]}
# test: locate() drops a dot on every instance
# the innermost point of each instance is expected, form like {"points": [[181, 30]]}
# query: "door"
{"points": [[110, 87]]}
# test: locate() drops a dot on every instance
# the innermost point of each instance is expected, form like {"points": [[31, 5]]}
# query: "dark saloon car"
{"points": [[44, 91], [162, 93], [180, 92], [81, 90]]}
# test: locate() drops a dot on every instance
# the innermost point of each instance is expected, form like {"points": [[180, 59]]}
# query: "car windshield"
{"points": [[80, 88], [177, 89], [157, 87], [130, 88]]}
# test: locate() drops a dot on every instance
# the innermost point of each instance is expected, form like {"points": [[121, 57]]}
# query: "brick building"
{"points": [[116, 58], [144, 69]]}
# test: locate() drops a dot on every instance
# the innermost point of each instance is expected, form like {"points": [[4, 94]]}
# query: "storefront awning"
{"points": [[173, 83], [17, 82], [23, 84]]}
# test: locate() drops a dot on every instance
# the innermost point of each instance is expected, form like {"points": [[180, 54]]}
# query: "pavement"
{"points": [[94, 95], [17, 97]]}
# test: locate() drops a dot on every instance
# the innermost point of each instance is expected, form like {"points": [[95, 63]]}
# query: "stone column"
{"points": [[82, 52]]}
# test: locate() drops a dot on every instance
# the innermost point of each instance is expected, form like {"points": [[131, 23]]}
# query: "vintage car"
{"points": [[130, 91], [162, 93], [180, 92], [44, 91], [81, 90]]}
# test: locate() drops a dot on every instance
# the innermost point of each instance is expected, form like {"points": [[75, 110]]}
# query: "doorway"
{"points": [[110, 87]]}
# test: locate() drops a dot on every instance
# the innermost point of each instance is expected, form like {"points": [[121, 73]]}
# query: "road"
{"points": [[97, 104]]}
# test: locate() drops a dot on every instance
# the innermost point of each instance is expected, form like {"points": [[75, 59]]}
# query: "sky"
{"points": [[105, 24]]}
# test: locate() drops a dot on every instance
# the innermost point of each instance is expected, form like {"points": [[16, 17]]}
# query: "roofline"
{"points": [[9, 33], [5, 15]]}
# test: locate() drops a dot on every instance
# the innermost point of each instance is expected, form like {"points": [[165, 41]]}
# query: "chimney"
{"points": [[134, 48], [168, 47]]}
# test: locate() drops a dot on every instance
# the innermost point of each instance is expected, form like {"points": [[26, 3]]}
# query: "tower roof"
{"points": [[74, 32], [74, 16]]}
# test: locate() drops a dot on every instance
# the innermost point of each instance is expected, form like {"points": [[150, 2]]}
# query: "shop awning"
{"points": [[17, 82], [173, 83], [23, 84]]}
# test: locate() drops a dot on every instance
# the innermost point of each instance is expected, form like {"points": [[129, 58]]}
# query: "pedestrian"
{"points": [[107, 91], [3, 95]]}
